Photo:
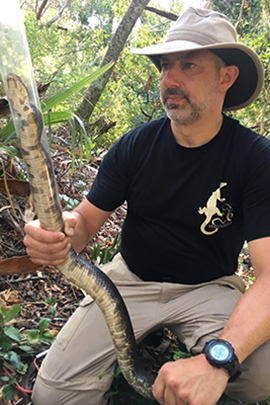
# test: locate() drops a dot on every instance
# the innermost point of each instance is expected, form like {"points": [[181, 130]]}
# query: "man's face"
{"points": [[188, 85]]}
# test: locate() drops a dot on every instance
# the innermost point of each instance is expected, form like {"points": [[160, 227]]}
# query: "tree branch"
{"points": [[41, 8], [267, 4], [240, 15], [59, 15], [59, 27], [162, 13]]}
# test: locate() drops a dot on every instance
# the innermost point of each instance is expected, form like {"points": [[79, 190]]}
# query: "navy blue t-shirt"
{"points": [[189, 209]]}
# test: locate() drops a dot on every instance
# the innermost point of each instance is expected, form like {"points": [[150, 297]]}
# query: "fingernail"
{"points": [[69, 245], [71, 231]]}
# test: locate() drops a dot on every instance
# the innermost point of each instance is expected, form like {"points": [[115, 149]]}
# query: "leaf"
{"points": [[47, 337], [17, 187], [65, 94], [109, 394], [14, 359], [17, 265], [87, 140], [47, 340], [4, 310], [8, 150], [5, 343], [96, 251], [57, 117], [11, 313], [115, 241], [8, 391], [26, 348], [117, 371], [8, 131], [13, 333], [5, 378], [73, 144], [33, 336], [43, 323], [52, 310]]}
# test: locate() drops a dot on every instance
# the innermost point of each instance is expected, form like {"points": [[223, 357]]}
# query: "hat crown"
{"points": [[202, 26]]}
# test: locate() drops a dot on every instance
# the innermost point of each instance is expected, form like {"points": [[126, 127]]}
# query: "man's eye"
{"points": [[189, 65], [164, 66]]}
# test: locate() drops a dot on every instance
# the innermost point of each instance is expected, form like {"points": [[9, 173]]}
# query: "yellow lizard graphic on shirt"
{"points": [[215, 218]]}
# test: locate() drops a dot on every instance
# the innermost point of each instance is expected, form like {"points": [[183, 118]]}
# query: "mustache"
{"points": [[174, 92]]}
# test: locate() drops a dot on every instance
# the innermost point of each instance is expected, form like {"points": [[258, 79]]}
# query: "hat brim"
{"points": [[247, 86]]}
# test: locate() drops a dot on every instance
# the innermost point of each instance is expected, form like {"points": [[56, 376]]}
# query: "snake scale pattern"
{"points": [[82, 273]]}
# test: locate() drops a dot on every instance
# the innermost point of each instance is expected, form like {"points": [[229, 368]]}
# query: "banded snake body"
{"points": [[82, 273]]}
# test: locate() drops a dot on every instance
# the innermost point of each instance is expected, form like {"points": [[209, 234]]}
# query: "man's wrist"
{"points": [[220, 354], [221, 371]]}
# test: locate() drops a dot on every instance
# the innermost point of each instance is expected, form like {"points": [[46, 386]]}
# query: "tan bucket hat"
{"points": [[199, 28]]}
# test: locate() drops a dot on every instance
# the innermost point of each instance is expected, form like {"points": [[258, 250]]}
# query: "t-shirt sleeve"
{"points": [[256, 201], [109, 189]]}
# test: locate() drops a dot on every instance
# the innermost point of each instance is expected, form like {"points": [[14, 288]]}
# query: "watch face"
{"points": [[220, 352]]}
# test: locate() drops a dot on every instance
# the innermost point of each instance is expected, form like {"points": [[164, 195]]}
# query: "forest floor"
{"points": [[45, 293]]}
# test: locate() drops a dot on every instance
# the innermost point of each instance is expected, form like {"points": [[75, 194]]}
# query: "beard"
{"points": [[188, 112]]}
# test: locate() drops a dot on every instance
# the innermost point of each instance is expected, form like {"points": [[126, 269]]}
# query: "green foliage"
{"points": [[253, 31], [65, 51], [34, 335], [252, 14], [57, 99], [131, 97], [106, 254], [63, 56], [8, 134], [180, 354], [7, 388], [52, 302], [12, 346]]}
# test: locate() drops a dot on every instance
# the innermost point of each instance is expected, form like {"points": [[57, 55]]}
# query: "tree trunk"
{"points": [[116, 45]]}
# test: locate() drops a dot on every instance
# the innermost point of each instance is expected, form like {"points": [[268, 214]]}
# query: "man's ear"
{"points": [[228, 76]]}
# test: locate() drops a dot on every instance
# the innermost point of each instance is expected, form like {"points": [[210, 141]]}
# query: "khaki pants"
{"points": [[196, 313]]}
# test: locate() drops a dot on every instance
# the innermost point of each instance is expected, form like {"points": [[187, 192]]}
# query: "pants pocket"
{"points": [[67, 332]]}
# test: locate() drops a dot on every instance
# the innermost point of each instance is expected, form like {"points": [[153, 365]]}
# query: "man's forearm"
{"points": [[81, 234], [89, 221]]}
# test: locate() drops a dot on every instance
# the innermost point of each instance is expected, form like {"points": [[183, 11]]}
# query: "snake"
{"points": [[76, 269]]}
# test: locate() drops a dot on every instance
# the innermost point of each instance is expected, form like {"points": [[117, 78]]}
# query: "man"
{"points": [[197, 185]]}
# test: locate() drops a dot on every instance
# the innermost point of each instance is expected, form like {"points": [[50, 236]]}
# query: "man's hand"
{"points": [[190, 381], [46, 247]]}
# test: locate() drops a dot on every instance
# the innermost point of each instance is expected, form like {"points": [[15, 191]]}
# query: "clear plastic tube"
{"points": [[15, 61], [14, 53]]}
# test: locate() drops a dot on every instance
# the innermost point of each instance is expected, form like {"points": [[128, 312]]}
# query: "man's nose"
{"points": [[172, 76]]}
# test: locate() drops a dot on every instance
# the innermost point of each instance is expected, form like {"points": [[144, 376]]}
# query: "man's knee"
{"points": [[254, 383], [71, 393]]}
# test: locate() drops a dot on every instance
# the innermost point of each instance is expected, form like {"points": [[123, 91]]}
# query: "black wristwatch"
{"points": [[220, 354]]}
